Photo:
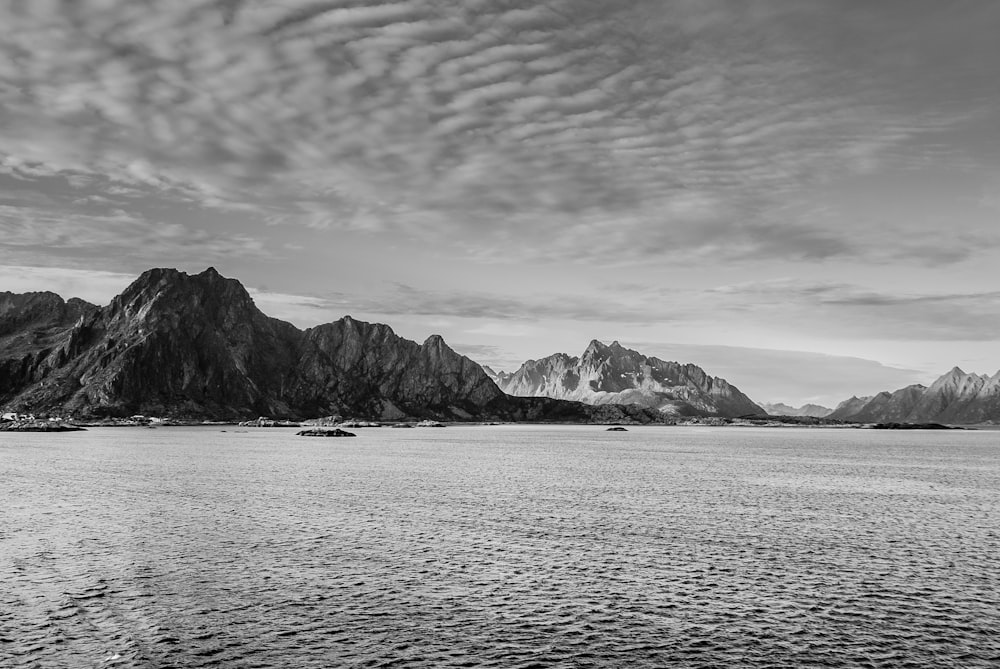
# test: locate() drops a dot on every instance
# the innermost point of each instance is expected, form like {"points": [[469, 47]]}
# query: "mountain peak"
{"points": [[164, 292], [435, 340], [614, 374], [956, 397], [195, 345]]}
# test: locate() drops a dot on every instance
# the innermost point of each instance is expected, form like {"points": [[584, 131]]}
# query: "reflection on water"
{"points": [[500, 546]]}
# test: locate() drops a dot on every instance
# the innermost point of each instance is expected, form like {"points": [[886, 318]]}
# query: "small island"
{"points": [[321, 432], [913, 426]]}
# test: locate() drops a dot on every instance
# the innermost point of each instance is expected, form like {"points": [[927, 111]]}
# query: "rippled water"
{"points": [[506, 546]]}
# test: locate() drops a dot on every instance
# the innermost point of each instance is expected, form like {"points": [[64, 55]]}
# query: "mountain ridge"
{"points": [[196, 345], [955, 397], [613, 374], [806, 410]]}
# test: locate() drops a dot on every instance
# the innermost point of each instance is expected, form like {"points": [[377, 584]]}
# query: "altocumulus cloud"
{"points": [[573, 126]]}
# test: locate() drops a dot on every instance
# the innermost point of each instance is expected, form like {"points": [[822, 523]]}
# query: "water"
{"points": [[505, 546]]}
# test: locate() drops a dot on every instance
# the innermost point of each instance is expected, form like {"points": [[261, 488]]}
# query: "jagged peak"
{"points": [[348, 322], [80, 302], [439, 347], [956, 376], [555, 357], [435, 340], [165, 285], [156, 275]]}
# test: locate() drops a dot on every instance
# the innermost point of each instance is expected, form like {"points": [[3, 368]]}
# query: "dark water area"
{"points": [[501, 546]]}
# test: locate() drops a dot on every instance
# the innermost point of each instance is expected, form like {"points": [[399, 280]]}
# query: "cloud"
{"points": [[93, 230], [96, 287], [303, 310], [686, 125], [846, 309], [507, 313], [801, 309]]}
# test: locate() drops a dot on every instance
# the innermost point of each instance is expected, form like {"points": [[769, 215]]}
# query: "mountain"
{"points": [[884, 407], [810, 410], [849, 407], [174, 344], [955, 397], [29, 323], [617, 375]]}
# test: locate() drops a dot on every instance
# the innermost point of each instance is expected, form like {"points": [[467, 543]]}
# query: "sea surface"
{"points": [[500, 546]]}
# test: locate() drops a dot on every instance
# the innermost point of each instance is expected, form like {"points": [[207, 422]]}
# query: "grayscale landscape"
{"points": [[689, 307]]}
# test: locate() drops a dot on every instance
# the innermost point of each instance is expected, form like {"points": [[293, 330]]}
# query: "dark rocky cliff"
{"points": [[196, 346], [170, 343], [32, 326]]}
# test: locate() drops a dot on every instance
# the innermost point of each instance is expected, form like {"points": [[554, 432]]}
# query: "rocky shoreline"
{"points": [[39, 426], [329, 423]]}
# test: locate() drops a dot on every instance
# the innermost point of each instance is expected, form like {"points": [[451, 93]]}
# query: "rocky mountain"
{"points": [[617, 375], [955, 398], [174, 344], [810, 410], [850, 407], [885, 407]]}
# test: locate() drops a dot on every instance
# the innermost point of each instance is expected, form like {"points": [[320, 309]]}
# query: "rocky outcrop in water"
{"points": [[954, 398], [617, 375], [196, 346], [324, 432]]}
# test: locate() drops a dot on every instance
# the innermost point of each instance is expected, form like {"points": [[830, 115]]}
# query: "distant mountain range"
{"points": [[810, 410], [196, 346], [174, 344], [614, 374], [956, 397]]}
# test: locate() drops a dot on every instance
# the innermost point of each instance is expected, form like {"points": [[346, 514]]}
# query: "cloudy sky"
{"points": [[802, 197]]}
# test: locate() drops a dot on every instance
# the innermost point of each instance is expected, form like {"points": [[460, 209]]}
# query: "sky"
{"points": [[801, 197]]}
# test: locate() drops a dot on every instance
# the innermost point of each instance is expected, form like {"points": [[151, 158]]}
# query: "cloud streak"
{"points": [[577, 127]]}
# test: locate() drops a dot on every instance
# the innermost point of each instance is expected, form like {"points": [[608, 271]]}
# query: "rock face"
{"points": [[956, 398], [617, 375], [31, 324], [808, 410], [170, 343], [196, 346]]}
